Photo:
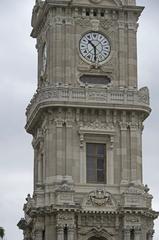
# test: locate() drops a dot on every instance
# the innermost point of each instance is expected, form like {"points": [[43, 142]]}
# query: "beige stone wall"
{"points": [[62, 32], [65, 114], [60, 146]]}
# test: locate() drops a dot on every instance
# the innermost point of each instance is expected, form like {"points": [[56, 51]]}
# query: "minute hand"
{"points": [[95, 50]]}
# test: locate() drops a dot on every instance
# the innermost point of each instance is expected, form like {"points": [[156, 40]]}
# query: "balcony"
{"points": [[108, 98]]}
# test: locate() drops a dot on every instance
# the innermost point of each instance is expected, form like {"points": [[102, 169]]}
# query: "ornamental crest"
{"points": [[99, 198]]}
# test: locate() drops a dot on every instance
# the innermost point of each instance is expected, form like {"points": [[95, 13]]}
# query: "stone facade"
{"points": [[66, 113]]}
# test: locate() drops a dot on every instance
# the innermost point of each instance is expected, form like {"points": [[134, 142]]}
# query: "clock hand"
{"points": [[95, 50], [95, 54], [91, 44]]}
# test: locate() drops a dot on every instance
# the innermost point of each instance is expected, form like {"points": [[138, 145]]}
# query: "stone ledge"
{"points": [[66, 96]]}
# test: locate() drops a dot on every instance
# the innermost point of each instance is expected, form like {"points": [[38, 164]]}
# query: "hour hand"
{"points": [[92, 44]]}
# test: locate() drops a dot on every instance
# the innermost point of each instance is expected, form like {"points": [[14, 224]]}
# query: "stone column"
{"points": [[39, 169], [71, 233], [139, 154], [69, 143], [126, 234], [134, 147], [124, 158], [138, 233], [60, 232], [51, 39], [59, 48], [110, 165], [68, 49], [82, 162], [38, 234], [35, 167], [150, 235], [132, 53], [59, 144], [122, 56]]}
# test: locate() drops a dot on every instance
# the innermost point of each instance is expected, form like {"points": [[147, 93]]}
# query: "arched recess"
{"points": [[95, 234]]}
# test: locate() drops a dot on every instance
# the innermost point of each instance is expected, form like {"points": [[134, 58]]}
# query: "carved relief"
{"points": [[107, 24], [65, 218], [132, 221], [144, 95], [64, 187], [99, 198], [83, 22]]}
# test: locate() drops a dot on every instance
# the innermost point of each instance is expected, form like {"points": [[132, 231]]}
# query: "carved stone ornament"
{"points": [[83, 22], [107, 24], [64, 187], [144, 95], [100, 198], [132, 220], [65, 218], [95, 24]]}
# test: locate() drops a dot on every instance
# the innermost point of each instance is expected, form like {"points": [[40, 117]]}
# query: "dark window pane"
{"points": [[95, 154], [91, 176], [100, 149], [100, 176], [90, 149], [95, 79], [100, 163]]}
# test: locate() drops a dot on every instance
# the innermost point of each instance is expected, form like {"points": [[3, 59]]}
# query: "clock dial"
{"points": [[94, 47]]}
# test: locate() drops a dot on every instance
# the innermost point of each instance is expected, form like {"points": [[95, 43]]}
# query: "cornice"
{"points": [[40, 13], [117, 99]]}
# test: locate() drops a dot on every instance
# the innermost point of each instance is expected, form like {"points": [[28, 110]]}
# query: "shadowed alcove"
{"points": [[97, 238]]}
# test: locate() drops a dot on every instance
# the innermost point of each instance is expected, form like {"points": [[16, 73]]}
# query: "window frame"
{"points": [[97, 136], [95, 157]]}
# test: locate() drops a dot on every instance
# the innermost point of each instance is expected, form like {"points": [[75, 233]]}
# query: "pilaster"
{"points": [[122, 55], [60, 232], [133, 148], [138, 234], [126, 233], [124, 155], [71, 232], [110, 165], [38, 235], [59, 143]]}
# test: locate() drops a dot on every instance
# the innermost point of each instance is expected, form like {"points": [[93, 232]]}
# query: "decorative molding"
{"points": [[83, 22], [107, 24], [99, 199], [64, 187], [95, 24], [87, 96], [144, 95]]}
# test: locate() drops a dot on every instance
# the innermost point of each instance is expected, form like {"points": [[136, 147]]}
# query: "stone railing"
{"points": [[87, 96]]}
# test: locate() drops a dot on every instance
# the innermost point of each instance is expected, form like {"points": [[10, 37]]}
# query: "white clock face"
{"points": [[94, 47]]}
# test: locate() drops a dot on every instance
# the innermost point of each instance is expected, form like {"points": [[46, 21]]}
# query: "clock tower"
{"points": [[86, 119]]}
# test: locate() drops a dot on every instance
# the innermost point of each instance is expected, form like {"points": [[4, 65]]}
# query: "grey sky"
{"points": [[18, 83]]}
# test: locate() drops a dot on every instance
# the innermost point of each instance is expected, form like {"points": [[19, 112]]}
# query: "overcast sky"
{"points": [[17, 85]]}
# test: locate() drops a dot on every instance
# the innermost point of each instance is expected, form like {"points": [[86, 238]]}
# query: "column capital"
{"points": [[71, 227]]}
